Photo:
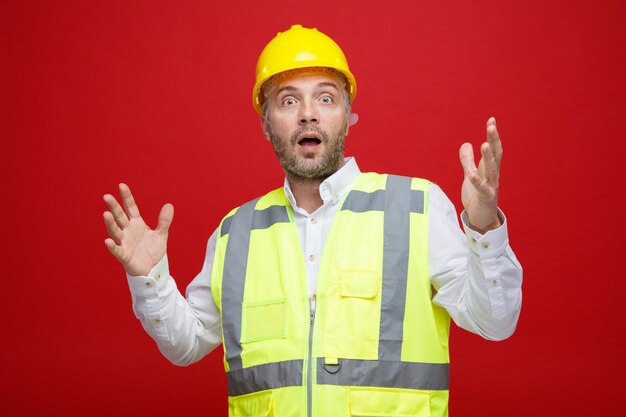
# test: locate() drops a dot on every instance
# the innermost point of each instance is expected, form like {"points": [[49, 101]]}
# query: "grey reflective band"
{"points": [[266, 376], [409, 375], [233, 281], [226, 226], [262, 219], [361, 201], [417, 201], [396, 243], [269, 216]]}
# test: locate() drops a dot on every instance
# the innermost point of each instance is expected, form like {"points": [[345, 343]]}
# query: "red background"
{"points": [[157, 94]]}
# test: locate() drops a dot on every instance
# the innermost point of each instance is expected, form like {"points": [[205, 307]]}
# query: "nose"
{"points": [[308, 113]]}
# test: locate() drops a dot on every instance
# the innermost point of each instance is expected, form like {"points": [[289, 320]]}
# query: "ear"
{"points": [[352, 119]]}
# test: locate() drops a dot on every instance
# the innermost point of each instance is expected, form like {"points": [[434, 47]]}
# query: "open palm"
{"points": [[479, 192], [131, 241]]}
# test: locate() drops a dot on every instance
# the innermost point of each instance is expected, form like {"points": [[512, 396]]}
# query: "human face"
{"points": [[307, 124]]}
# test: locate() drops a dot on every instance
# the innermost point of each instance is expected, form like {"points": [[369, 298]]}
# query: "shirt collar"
{"points": [[335, 187]]}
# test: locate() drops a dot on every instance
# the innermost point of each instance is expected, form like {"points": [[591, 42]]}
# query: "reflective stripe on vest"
{"points": [[397, 201], [360, 201], [235, 261], [410, 375], [262, 219], [242, 222], [395, 266], [267, 376], [354, 372]]}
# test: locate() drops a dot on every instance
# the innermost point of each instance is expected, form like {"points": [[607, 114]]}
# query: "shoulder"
{"points": [[375, 180], [275, 197]]}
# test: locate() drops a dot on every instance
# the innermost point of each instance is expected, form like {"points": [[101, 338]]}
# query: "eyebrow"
{"points": [[292, 88], [327, 84]]}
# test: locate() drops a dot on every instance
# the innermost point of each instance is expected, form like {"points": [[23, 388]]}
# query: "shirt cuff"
{"points": [[151, 284], [492, 243]]}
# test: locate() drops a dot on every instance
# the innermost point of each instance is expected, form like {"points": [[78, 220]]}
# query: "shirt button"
{"points": [[485, 245], [494, 282], [473, 241], [157, 321], [312, 297], [311, 257], [148, 284], [313, 220], [157, 276]]}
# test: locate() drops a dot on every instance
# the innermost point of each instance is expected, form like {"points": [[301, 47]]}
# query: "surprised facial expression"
{"points": [[307, 124]]}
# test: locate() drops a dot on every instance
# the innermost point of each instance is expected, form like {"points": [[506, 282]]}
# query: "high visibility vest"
{"points": [[376, 345]]}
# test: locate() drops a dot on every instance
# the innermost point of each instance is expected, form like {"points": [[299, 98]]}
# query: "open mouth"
{"points": [[309, 141]]}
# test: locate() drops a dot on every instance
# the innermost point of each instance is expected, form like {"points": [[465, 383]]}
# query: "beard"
{"points": [[310, 167]]}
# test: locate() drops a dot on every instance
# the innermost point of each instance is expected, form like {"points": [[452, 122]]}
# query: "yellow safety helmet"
{"points": [[299, 47]]}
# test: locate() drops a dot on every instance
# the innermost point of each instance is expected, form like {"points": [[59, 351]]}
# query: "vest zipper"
{"points": [[309, 377]]}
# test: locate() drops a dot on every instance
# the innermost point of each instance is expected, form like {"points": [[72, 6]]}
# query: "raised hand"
{"points": [[480, 185], [131, 241]]}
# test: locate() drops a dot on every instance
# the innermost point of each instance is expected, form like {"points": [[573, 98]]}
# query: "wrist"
{"points": [[484, 220], [483, 228]]}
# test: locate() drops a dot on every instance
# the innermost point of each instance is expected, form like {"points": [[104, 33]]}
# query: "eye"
{"points": [[289, 101], [326, 99]]}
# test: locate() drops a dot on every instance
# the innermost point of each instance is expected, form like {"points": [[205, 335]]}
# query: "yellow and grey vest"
{"points": [[376, 346]]}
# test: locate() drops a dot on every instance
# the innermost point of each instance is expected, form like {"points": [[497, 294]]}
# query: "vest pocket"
{"points": [[354, 306], [263, 321], [359, 284], [379, 402], [259, 404]]}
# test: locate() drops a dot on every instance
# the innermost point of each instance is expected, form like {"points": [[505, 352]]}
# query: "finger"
{"points": [[113, 248], [118, 213], [490, 165], [129, 201], [114, 231], [466, 155], [493, 138], [165, 218], [479, 183]]}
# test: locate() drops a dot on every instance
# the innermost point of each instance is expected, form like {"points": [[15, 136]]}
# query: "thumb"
{"points": [[165, 218], [466, 155]]}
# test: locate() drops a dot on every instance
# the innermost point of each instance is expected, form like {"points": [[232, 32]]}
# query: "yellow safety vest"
{"points": [[376, 345]]}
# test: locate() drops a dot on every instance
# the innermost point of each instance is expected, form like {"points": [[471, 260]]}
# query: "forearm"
{"points": [[485, 296], [184, 332], [477, 277]]}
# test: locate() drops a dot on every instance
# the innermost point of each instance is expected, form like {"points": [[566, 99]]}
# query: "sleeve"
{"points": [[477, 278], [185, 330]]}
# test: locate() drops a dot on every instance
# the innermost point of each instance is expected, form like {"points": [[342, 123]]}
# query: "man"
{"points": [[333, 293]]}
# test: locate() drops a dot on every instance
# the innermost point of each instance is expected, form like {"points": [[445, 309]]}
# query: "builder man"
{"points": [[332, 295]]}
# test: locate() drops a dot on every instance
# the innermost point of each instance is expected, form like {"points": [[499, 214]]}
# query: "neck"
{"points": [[306, 191]]}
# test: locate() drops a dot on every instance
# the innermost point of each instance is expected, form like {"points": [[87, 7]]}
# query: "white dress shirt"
{"points": [[476, 278]]}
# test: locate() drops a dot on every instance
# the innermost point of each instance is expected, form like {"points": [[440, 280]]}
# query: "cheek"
{"points": [[339, 121], [282, 125]]}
